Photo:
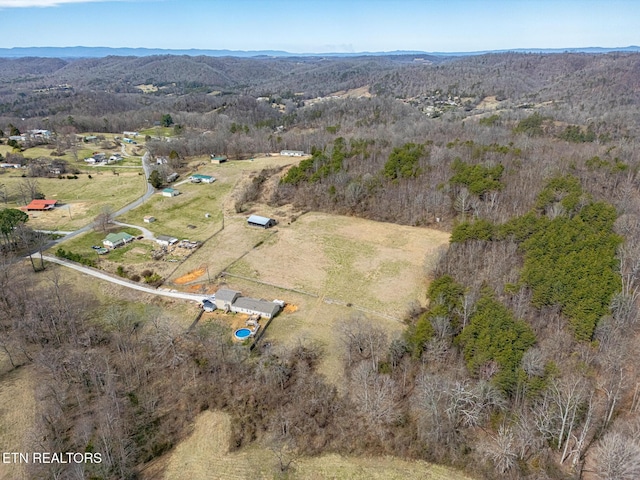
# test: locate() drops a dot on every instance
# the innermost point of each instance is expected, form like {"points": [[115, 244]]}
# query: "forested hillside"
{"points": [[520, 364]]}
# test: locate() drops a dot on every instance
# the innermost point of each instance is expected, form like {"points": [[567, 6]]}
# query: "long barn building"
{"points": [[263, 222]]}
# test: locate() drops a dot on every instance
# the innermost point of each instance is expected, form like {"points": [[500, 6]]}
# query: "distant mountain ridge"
{"points": [[100, 52]]}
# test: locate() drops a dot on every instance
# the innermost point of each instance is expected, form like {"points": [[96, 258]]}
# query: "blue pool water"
{"points": [[242, 333]]}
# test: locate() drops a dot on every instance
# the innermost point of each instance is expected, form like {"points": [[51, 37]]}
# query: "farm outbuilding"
{"points": [[218, 159], [166, 240], [170, 192], [41, 205], [258, 221], [149, 219]]}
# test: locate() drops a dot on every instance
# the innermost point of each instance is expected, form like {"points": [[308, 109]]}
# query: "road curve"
{"points": [[109, 278], [125, 283]]}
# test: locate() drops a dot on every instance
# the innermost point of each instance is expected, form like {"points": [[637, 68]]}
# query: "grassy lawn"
{"points": [[156, 132], [189, 208], [82, 243], [82, 198]]}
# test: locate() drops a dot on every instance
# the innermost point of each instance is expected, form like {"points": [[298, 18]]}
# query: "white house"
{"points": [[198, 178], [292, 153]]}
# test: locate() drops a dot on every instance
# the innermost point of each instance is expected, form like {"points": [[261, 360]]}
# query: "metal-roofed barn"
{"points": [[258, 221]]}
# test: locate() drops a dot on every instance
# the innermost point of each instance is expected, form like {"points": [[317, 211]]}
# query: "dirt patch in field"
{"points": [[191, 276], [58, 215], [289, 308], [488, 103]]}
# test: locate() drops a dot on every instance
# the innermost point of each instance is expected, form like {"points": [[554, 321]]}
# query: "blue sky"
{"points": [[312, 26]]}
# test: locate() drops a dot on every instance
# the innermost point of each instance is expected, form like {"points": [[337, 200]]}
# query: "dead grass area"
{"points": [[376, 268], [223, 249], [231, 321], [203, 288], [205, 454], [372, 265], [488, 103], [360, 92], [17, 416], [147, 88]]}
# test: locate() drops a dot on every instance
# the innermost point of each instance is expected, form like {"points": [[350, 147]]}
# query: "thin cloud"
{"points": [[41, 3]]}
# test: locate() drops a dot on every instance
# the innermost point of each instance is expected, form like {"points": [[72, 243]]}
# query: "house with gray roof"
{"points": [[226, 297], [252, 306], [233, 301]]}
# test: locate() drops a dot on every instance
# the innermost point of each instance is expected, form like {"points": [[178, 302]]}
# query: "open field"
{"points": [[205, 455], [17, 414], [372, 265], [331, 268], [83, 198], [173, 215]]}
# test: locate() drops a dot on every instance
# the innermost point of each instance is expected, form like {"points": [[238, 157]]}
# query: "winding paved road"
{"points": [[109, 278], [125, 283]]}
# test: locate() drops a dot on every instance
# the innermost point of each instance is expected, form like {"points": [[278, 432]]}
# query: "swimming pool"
{"points": [[242, 333]]}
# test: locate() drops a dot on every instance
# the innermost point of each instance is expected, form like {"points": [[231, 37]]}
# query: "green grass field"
{"points": [[83, 198], [82, 243], [189, 208]]}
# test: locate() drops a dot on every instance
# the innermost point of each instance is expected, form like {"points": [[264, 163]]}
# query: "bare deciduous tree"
{"points": [[617, 457], [104, 219]]}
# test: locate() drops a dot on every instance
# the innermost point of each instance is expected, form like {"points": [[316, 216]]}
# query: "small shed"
{"points": [[218, 159], [172, 177], [170, 192], [198, 178], [258, 221], [166, 240], [149, 219], [114, 240]]}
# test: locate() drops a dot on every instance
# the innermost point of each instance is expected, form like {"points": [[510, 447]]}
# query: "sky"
{"points": [[321, 26]]}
